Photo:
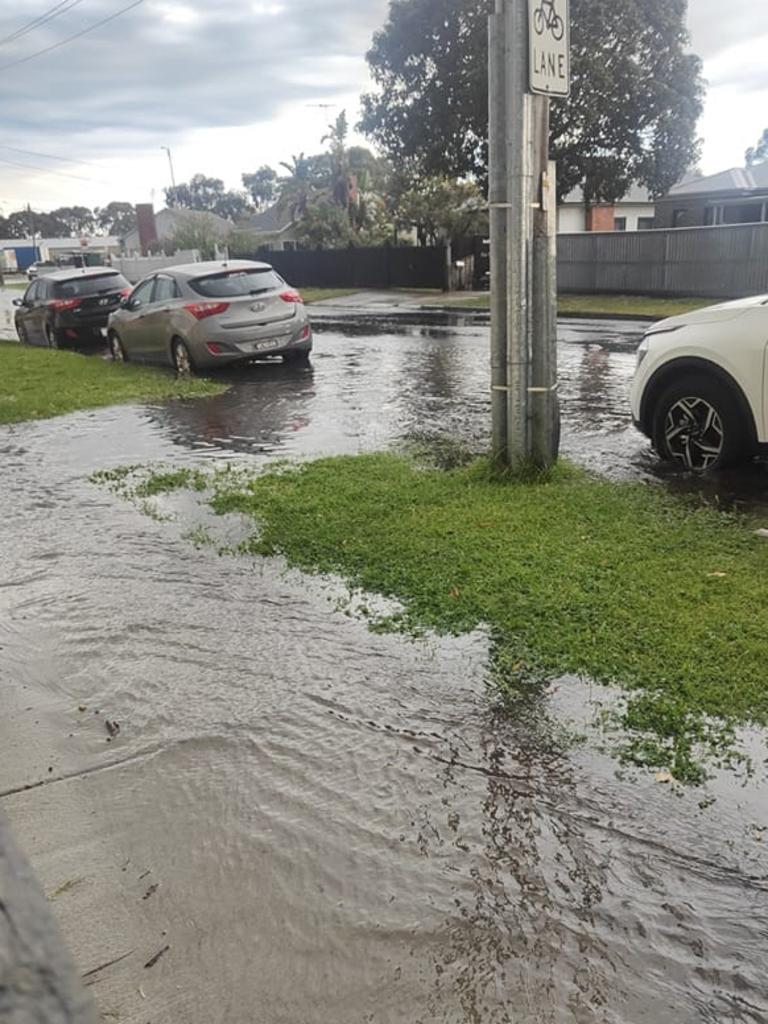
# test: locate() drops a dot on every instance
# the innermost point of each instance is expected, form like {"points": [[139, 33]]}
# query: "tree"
{"points": [[324, 225], [636, 93], [299, 187], [209, 196], [116, 219], [441, 210], [758, 154], [262, 186], [197, 231], [79, 220]]}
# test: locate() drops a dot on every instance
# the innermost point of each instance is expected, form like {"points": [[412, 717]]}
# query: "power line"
{"points": [[71, 39], [47, 156], [51, 170], [61, 8]]}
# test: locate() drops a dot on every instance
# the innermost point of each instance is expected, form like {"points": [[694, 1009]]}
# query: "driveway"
{"points": [[299, 821]]}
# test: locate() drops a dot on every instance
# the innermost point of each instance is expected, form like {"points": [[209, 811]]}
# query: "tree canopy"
{"points": [[635, 101], [759, 153], [209, 196]]}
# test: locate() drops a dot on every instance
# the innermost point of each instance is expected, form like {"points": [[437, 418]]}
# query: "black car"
{"points": [[66, 306]]}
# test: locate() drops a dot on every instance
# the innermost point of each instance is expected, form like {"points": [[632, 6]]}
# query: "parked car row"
{"points": [[190, 317]]}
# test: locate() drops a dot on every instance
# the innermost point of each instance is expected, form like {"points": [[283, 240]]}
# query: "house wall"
{"points": [[572, 217]]}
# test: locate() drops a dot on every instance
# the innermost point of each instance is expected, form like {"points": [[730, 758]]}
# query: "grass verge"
{"points": [[311, 295], [37, 383], [610, 305], [571, 575]]}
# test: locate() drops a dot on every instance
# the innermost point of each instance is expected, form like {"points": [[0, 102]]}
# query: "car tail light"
{"points": [[62, 305], [305, 333], [214, 348], [125, 293], [201, 310], [292, 296]]}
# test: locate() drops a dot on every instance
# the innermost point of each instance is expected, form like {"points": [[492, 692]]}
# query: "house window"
{"points": [[679, 218], [619, 223], [743, 213], [645, 223]]}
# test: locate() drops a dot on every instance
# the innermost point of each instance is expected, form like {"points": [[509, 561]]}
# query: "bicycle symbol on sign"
{"points": [[546, 17]]}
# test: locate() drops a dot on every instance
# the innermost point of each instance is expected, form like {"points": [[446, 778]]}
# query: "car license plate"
{"points": [[261, 346]]}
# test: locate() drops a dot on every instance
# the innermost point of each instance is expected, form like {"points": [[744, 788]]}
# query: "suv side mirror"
{"points": [[18, 302]]}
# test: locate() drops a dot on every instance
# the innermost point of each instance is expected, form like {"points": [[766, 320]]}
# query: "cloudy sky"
{"points": [[232, 86]]}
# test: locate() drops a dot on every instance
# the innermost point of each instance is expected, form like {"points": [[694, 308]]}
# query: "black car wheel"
{"points": [[116, 348], [698, 424], [52, 337], [182, 360]]}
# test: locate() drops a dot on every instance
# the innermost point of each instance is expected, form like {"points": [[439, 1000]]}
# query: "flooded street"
{"points": [[313, 824]]}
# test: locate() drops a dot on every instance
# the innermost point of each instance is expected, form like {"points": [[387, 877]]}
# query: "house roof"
{"points": [[637, 196], [273, 220], [737, 179]]}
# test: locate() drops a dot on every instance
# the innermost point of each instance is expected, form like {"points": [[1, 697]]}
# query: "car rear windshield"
{"points": [[97, 284], [237, 282]]}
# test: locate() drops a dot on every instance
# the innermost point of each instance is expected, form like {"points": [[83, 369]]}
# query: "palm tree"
{"points": [[296, 190]]}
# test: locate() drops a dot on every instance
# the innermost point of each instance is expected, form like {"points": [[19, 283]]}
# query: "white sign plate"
{"points": [[549, 47]]}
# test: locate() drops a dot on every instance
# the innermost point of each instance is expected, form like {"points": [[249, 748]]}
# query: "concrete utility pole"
{"points": [[528, 50], [170, 164]]}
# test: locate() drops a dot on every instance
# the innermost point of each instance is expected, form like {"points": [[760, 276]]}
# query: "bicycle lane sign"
{"points": [[549, 37]]}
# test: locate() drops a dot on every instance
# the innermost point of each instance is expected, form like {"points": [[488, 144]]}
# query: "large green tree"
{"points": [[78, 219], [116, 218], [208, 195], [262, 185], [635, 101]]}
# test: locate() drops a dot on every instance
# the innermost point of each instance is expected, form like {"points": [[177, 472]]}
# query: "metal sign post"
{"points": [[528, 63]]}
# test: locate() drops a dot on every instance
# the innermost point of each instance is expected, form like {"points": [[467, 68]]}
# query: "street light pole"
{"points": [[170, 163]]}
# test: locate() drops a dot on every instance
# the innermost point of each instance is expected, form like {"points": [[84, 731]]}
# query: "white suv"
{"points": [[700, 387]]}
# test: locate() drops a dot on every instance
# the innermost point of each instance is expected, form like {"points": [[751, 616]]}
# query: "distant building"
{"points": [[635, 212], [92, 250], [167, 222], [736, 196], [272, 229]]}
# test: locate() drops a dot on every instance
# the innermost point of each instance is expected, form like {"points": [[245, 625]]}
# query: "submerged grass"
{"points": [[36, 383], [571, 575]]}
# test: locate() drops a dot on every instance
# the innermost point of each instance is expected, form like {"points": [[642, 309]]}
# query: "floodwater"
{"points": [[314, 824]]}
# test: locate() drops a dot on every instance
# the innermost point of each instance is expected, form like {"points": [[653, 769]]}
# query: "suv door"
{"points": [[132, 322], [165, 299]]}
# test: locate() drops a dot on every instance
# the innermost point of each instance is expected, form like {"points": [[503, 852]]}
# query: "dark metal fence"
{"points": [[385, 267], [716, 262]]}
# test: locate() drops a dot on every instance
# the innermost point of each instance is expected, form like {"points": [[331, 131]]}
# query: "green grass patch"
{"points": [[572, 575], [311, 295], [610, 305], [37, 383]]}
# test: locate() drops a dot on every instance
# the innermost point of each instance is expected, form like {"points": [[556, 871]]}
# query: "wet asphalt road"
{"points": [[323, 824]]}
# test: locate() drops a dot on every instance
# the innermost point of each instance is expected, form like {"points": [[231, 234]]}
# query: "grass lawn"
{"points": [[311, 295], [573, 575], [606, 305], [36, 383]]}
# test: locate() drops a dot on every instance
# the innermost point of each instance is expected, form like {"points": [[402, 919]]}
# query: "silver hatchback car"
{"points": [[206, 315]]}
